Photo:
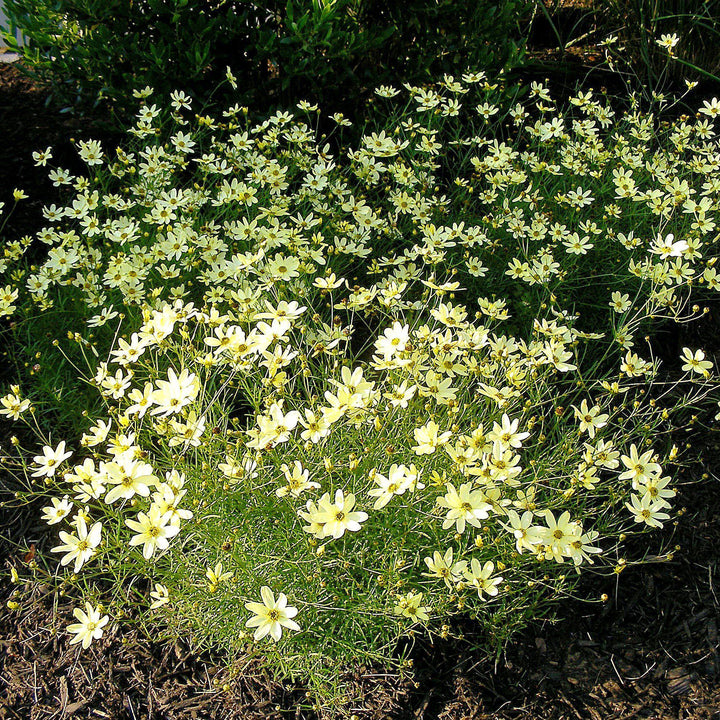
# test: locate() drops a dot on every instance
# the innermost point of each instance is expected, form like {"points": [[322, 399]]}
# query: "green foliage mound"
{"points": [[95, 52]]}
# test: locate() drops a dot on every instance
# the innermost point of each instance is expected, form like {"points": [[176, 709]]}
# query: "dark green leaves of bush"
{"points": [[93, 53]]}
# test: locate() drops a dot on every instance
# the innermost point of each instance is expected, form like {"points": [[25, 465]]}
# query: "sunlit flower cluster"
{"points": [[391, 383]]}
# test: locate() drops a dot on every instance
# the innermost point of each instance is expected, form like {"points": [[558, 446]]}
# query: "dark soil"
{"points": [[649, 651]]}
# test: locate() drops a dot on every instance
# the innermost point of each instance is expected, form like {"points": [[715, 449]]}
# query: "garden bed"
{"points": [[649, 651]]}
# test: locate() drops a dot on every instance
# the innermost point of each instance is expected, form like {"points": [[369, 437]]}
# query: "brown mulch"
{"points": [[650, 652]]}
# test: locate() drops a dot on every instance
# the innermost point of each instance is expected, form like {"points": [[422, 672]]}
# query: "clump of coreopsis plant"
{"points": [[343, 396]]}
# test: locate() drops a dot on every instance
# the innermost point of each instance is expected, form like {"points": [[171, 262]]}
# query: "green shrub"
{"points": [[387, 387], [94, 53]]}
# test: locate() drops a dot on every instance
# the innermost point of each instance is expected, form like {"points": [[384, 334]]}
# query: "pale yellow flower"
{"points": [[271, 615]]}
